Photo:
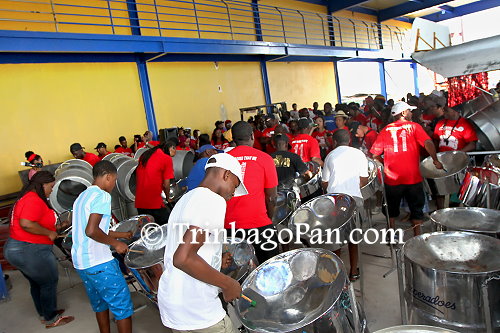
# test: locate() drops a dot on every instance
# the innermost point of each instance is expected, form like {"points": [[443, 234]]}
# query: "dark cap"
{"points": [[353, 127], [75, 147], [100, 145], [304, 123]]}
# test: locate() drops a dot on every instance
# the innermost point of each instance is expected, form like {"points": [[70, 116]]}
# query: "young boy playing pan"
{"points": [[92, 258]]}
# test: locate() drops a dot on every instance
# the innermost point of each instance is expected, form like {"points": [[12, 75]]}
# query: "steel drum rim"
{"points": [[342, 275], [436, 233], [292, 226], [454, 209], [424, 329], [130, 264], [471, 169], [454, 152]]}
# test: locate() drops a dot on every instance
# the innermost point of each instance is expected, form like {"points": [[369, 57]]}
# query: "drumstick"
{"points": [[252, 303], [136, 251]]}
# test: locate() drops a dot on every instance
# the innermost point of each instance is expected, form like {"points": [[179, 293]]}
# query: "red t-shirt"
{"points": [[150, 179], [268, 132], [320, 137], [124, 151], [91, 158], [31, 207], [454, 134], [428, 118], [373, 122], [368, 141], [400, 142], [182, 148], [256, 143], [306, 147], [220, 146], [259, 173], [152, 143], [101, 157], [361, 118]]}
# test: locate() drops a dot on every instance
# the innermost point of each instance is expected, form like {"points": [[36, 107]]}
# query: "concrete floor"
{"points": [[380, 301]]}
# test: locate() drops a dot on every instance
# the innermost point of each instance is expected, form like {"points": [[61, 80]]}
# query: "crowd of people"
{"points": [[239, 169]]}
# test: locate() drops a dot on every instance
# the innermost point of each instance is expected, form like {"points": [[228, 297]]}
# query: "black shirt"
{"points": [[287, 164]]}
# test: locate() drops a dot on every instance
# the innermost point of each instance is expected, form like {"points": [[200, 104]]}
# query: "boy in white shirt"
{"points": [[190, 284]]}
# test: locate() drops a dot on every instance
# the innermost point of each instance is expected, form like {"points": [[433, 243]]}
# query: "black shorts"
{"points": [[160, 215], [414, 195]]}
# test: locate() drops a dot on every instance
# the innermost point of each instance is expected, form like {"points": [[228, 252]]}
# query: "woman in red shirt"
{"points": [[29, 247], [218, 141], [320, 134]]}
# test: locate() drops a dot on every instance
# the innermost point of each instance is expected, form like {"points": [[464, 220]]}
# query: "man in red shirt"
{"points": [[147, 141], [153, 176], [454, 132], [255, 210], [399, 142], [355, 114], [77, 151], [123, 149], [101, 149], [267, 134], [366, 136], [304, 145]]}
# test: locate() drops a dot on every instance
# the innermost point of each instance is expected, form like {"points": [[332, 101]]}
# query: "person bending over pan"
{"points": [[188, 289]]}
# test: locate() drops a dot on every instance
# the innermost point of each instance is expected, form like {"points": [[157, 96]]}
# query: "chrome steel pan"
{"points": [[481, 188], [471, 219], [448, 180]]}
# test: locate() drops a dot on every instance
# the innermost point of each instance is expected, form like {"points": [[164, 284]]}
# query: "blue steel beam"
{"points": [[383, 85], [147, 97], [336, 5], [407, 8], [133, 18], [265, 82], [462, 10], [337, 82], [414, 68]]}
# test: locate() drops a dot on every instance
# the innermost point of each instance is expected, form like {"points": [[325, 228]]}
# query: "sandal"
{"points": [[58, 313], [355, 276], [61, 321]]}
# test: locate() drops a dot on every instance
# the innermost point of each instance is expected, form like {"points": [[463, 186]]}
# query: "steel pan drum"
{"points": [[374, 179], [149, 263], [471, 219], [133, 225], [298, 291], [139, 153], [474, 189], [176, 190], [443, 182], [492, 162], [327, 213], [450, 280], [72, 178], [244, 259], [287, 201], [183, 163], [486, 123], [414, 329]]}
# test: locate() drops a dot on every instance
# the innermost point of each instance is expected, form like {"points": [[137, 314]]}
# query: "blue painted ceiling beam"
{"points": [[407, 8], [462, 10], [336, 5]]}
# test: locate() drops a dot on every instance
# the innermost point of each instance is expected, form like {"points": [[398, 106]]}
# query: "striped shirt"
{"points": [[85, 251]]}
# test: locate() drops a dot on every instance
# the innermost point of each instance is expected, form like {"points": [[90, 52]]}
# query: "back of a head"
{"points": [[103, 168], [121, 138], [204, 139], [341, 137], [242, 132]]}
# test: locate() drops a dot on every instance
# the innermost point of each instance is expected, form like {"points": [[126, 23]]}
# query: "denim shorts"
{"points": [[107, 289]]}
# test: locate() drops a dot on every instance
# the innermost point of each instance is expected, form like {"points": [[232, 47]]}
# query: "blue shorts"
{"points": [[107, 289]]}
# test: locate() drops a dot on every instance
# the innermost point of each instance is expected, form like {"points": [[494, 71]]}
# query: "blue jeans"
{"points": [[38, 264]]}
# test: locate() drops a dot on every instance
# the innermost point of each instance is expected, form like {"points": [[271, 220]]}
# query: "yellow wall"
{"points": [[39, 16], [47, 107], [187, 94], [302, 83]]}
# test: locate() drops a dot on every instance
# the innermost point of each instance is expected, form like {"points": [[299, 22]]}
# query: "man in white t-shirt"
{"points": [[191, 282], [345, 171]]}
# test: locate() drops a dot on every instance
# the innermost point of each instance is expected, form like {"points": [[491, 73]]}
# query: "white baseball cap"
{"points": [[400, 107], [230, 163]]}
